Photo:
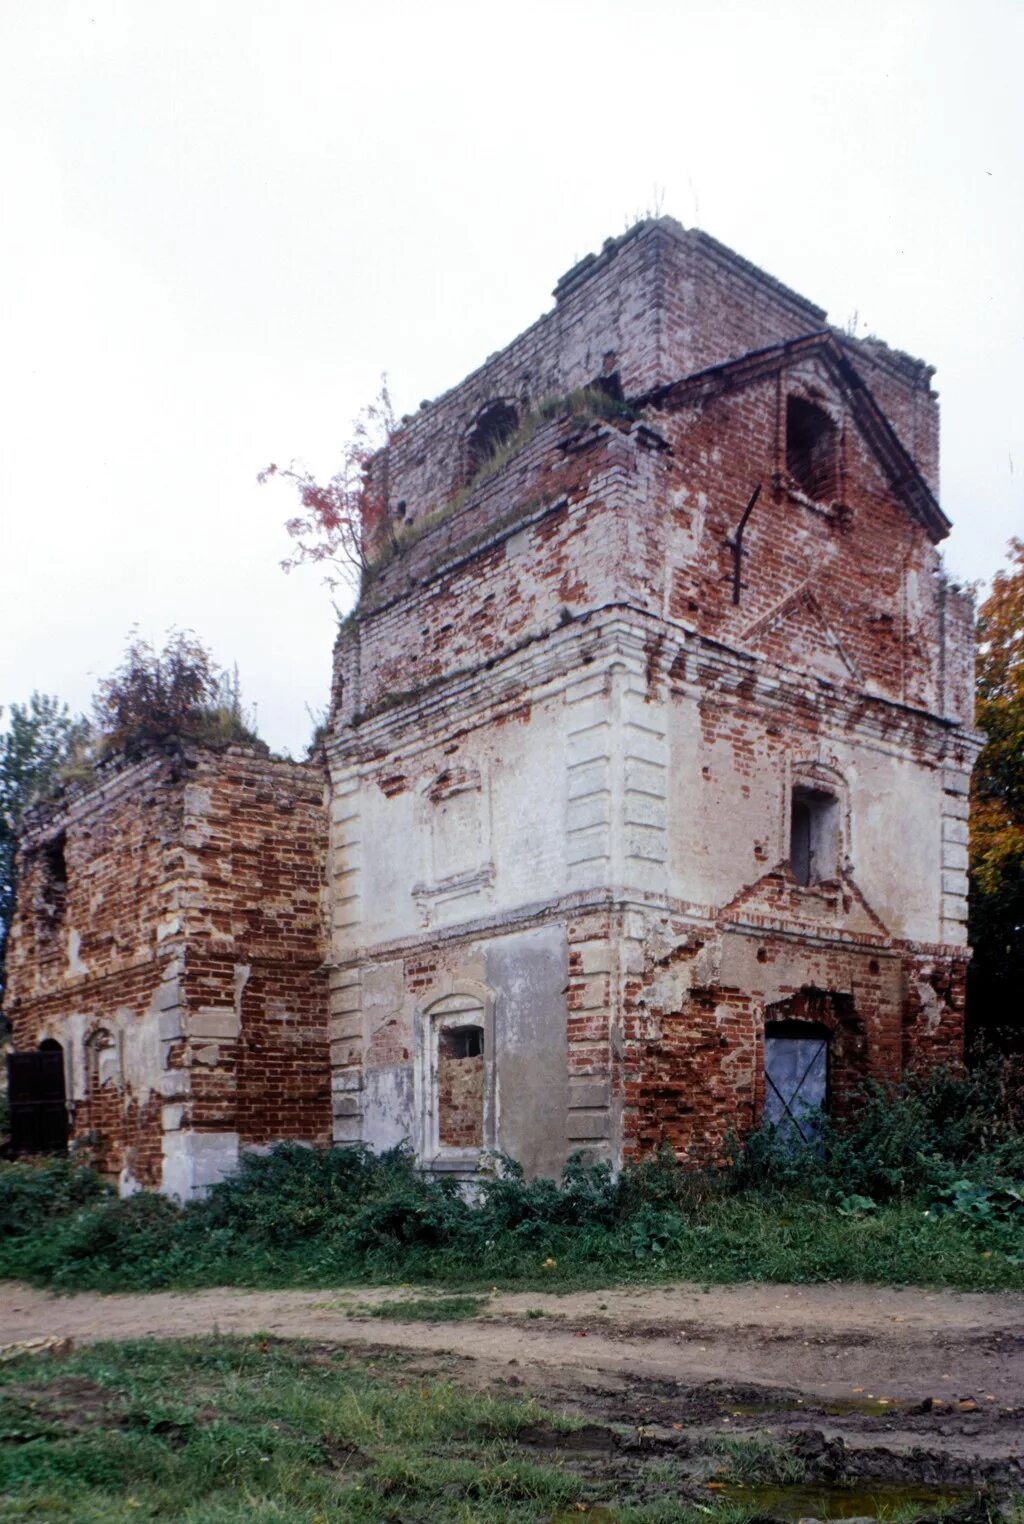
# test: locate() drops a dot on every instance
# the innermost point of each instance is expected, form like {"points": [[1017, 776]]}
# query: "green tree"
{"points": [[997, 811], [40, 739]]}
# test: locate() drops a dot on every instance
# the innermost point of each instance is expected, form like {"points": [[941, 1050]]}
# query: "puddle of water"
{"points": [[822, 1502], [836, 1407]]}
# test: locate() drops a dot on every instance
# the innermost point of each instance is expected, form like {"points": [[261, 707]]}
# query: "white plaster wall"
{"points": [[193, 1161], [896, 845], [510, 838], [893, 827]]}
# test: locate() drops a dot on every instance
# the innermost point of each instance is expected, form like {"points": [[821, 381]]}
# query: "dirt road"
{"points": [[824, 1342]]}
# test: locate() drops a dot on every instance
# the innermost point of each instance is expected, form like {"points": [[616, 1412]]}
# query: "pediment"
{"points": [[798, 633], [775, 900], [895, 461]]}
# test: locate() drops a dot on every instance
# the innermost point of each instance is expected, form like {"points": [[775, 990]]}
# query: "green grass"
{"points": [[759, 1462], [232, 1430], [221, 1431], [427, 1309]]}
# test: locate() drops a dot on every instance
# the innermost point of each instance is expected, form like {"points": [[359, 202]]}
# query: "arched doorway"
{"points": [[39, 1113]]}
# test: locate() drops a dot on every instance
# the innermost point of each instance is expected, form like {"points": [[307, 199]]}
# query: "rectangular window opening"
{"points": [[813, 836]]}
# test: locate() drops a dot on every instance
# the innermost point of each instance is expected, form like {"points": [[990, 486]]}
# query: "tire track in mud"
{"points": [[857, 1387]]}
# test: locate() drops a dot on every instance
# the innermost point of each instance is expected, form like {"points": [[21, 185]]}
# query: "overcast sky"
{"points": [[220, 222]]}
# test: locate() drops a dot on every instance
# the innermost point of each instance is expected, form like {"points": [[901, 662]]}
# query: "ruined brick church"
{"points": [[642, 812]]}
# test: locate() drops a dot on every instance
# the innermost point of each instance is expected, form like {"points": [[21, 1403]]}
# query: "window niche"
{"points": [[492, 428], [102, 1062], [814, 836], [460, 1087], [456, 1095], [812, 449], [52, 893]]}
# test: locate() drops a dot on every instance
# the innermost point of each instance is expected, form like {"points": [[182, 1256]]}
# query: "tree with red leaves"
{"points": [[342, 520]]}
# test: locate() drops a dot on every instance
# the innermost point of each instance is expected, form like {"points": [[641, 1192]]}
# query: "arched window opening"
{"points": [[494, 427], [813, 836], [456, 1097], [812, 453]]}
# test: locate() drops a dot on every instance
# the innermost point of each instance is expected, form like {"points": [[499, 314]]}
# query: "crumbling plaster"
{"points": [[549, 834], [551, 716]]}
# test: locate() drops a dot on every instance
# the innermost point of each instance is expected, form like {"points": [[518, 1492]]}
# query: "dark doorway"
{"points": [[39, 1113], [795, 1077]]}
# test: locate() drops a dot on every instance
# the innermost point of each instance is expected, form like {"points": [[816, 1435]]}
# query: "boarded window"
{"points": [[812, 455], [460, 1087], [813, 836]]}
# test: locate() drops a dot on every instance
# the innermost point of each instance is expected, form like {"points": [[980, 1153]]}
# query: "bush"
{"points": [[925, 1183], [129, 1240], [176, 694], [903, 1144], [31, 1194]]}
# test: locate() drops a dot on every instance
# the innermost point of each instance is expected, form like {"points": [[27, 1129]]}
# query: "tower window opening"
{"points": [[812, 454], [494, 427], [53, 883]]}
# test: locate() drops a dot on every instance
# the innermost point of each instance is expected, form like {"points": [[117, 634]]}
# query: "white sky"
{"points": [[220, 222]]}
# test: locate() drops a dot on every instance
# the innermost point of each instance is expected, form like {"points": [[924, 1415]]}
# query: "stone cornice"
{"points": [[702, 919], [618, 633]]}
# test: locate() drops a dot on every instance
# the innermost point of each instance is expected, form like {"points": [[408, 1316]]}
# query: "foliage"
{"points": [[997, 809], [904, 1144], [922, 1186], [41, 740], [999, 1204], [342, 519], [345, 523], [178, 693], [47, 1189]]}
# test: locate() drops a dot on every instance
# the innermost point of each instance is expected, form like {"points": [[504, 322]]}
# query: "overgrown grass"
{"points": [[430, 1309], [222, 1430], [226, 1430], [925, 1188], [758, 1461]]}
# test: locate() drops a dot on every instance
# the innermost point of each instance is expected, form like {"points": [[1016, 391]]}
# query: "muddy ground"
{"points": [[857, 1396]]}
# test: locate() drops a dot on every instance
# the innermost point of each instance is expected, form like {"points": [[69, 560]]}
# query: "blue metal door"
{"points": [[795, 1079]]}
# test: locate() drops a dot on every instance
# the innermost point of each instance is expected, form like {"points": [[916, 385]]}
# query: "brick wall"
{"points": [[460, 1097], [657, 304], [179, 964]]}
